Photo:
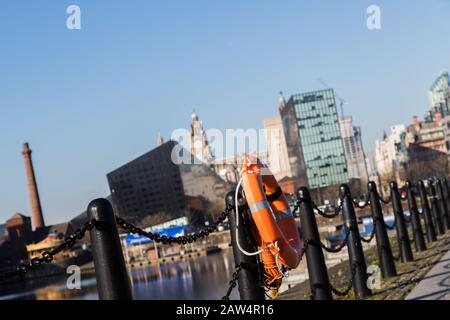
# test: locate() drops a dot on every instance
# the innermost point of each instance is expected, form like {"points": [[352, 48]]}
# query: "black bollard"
{"points": [[442, 202], [419, 240], [435, 209], [446, 195], [317, 269], [110, 271], [385, 257], [426, 212], [249, 285], [404, 247], [355, 250]]}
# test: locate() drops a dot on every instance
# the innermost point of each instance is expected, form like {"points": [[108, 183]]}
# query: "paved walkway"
{"points": [[436, 284]]}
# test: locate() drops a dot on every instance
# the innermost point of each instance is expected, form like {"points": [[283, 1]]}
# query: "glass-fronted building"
{"points": [[439, 96], [320, 138]]}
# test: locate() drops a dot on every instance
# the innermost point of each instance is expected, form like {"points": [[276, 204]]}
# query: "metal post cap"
{"points": [[229, 198], [98, 207], [303, 194], [393, 185], [372, 186], [344, 189]]}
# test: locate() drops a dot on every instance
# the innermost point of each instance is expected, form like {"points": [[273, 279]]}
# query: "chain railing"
{"points": [[370, 238], [361, 206], [346, 207], [385, 201], [233, 282], [131, 228], [328, 214], [339, 247]]}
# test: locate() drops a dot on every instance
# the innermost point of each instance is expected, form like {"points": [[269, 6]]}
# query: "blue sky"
{"points": [[90, 100]]}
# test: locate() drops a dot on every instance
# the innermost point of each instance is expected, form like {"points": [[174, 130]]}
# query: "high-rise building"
{"points": [[199, 146], [276, 148], [354, 151], [439, 97], [313, 137], [156, 182]]}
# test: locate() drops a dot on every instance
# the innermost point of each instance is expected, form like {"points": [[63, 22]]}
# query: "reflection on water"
{"points": [[203, 278]]}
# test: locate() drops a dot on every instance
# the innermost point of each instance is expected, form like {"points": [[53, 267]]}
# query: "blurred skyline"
{"points": [[90, 100]]}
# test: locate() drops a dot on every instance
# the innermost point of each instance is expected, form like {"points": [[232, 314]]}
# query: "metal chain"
{"points": [[372, 235], [48, 256], [241, 266], [390, 227], [396, 258], [169, 240], [385, 201], [325, 214], [233, 281], [339, 247], [356, 203]]}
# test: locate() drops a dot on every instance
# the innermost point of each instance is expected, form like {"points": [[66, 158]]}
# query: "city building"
{"points": [[21, 243], [199, 146], [160, 182], [428, 134], [313, 137], [276, 147], [428, 147], [229, 168], [354, 151], [391, 155], [439, 97]]}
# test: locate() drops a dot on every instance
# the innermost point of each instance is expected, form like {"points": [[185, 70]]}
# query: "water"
{"points": [[203, 278]]}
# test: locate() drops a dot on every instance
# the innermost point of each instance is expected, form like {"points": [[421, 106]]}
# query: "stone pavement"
{"points": [[436, 284]]}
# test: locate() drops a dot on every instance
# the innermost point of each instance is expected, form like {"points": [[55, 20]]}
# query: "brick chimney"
{"points": [[416, 122], [37, 219], [438, 117]]}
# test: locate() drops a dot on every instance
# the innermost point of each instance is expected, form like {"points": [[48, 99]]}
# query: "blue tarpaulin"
{"points": [[134, 239]]}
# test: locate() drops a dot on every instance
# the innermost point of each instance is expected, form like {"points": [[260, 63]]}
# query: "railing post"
{"points": [[355, 250], [426, 212], [442, 204], [110, 271], [317, 269], [419, 240], [249, 284], [404, 247], [446, 195], [435, 210], [385, 257]]}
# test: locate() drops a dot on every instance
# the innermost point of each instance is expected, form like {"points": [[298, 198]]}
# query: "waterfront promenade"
{"points": [[436, 284], [427, 277]]}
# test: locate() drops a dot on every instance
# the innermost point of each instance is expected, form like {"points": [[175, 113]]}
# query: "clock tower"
{"points": [[199, 146]]}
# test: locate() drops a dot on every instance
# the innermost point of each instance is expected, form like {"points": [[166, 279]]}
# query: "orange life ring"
{"points": [[276, 228]]}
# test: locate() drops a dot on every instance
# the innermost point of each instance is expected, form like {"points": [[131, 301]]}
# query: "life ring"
{"points": [[276, 230]]}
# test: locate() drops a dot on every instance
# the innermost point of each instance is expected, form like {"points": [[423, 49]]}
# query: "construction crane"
{"points": [[341, 101]]}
